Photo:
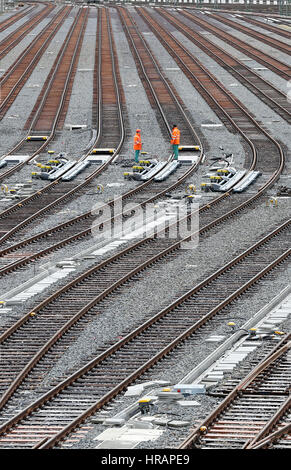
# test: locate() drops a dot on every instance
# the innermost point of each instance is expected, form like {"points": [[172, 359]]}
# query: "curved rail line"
{"points": [[16, 75], [267, 92], [271, 28], [265, 38], [87, 220], [281, 69], [16, 17], [227, 107], [12, 39], [56, 192], [233, 424], [164, 332]]}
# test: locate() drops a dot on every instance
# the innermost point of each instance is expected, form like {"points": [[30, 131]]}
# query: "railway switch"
{"points": [[145, 405], [36, 137]]}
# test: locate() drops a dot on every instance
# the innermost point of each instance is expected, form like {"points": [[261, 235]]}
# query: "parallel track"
{"points": [[256, 406], [145, 192], [12, 39], [42, 430]]}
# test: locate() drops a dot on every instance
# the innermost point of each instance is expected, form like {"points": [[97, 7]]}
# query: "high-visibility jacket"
{"points": [[175, 137], [137, 142]]}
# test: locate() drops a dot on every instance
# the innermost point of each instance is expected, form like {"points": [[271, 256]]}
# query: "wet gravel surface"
{"points": [[175, 276]]}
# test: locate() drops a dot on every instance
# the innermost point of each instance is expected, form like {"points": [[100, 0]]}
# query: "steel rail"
{"points": [[128, 194], [265, 38], [62, 16], [18, 34], [226, 59], [152, 321], [48, 90], [79, 186], [268, 27], [276, 66], [112, 350], [279, 350], [81, 234], [268, 440], [151, 22], [264, 437], [16, 17], [40, 49]]}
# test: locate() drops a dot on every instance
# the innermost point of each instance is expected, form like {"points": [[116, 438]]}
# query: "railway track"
{"points": [[268, 27], [264, 90], [18, 73], [281, 69], [228, 108], [85, 221], [14, 18], [145, 192], [36, 438], [91, 387], [53, 194], [247, 416]]}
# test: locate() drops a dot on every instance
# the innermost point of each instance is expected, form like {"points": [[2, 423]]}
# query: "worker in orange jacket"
{"points": [[137, 145], [175, 141]]}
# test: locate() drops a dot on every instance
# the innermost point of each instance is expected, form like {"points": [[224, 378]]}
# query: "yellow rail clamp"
{"points": [[32, 314], [50, 151], [279, 332], [12, 190], [166, 389], [4, 188]]}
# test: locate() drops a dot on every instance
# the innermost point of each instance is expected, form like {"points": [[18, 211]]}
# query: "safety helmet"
{"points": [[137, 130]]}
